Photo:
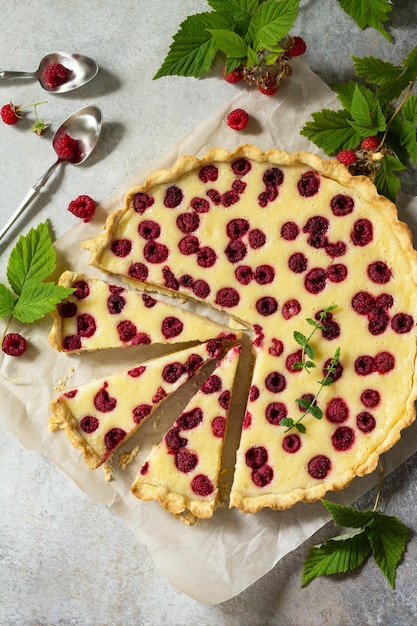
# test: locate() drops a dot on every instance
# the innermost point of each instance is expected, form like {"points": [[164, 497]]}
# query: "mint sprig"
{"points": [[383, 107], [382, 536], [31, 261], [308, 354]]}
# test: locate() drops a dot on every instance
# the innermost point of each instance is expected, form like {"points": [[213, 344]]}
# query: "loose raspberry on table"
{"points": [[14, 344], [84, 207], [235, 76], [10, 114], [298, 48], [66, 147], [55, 75], [347, 157], [237, 119]]}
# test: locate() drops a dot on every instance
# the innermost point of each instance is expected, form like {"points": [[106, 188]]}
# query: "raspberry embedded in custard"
{"points": [[212, 385], [379, 272], [244, 274], [138, 271], [237, 228], [142, 201], [235, 251], [370, 398], [337, 411], [82, 289], [291, 308], [315, 280], [227, 297], [173, 197], [298, 262], [218, 426], [206, 257], [86, 325], [185, 460], [171, 327], [365, 422], [190, 419], [89, 424], [148, 229], [267, 306], [170, 281], [126, 330], [291, 443], [224, 399], [189, 245], [362, 232], [140, 412], [275, 412], [343, 438], [289, 231], [103, 401], [201, 485], [201, 289], [208, 173], [402, 323], [121, 247], [188, 222], [200, 205], [172, 372], [309, 184], [114, 437], [241, 166], [319, 466], [155, 252], [275, 382]]}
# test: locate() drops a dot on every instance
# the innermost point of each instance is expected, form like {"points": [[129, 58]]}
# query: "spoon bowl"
{"points": [[82, 69], [84, 126]]}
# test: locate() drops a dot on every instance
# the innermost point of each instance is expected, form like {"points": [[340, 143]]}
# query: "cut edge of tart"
{"points": [[182, 471], [101, 415], [341, 432], [103, 315]]}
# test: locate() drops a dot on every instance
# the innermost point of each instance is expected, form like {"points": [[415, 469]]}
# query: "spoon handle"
{"points": [[10, 74], [30, 196]]}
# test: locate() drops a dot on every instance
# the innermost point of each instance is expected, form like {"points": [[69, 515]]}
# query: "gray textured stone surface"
{"points": [[65, 560]]}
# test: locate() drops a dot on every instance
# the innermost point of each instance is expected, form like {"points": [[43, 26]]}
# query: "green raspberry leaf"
{"points": [[348, 516], [32, 258], [366, 112], [270, 23], [238, 10], [331, 131], [371, 13], [388, 537], [386, 182], [344, 92], [336, 556], [409, 110], [376, 71], [37, 299], [7, 301], [229, 42], [252, 57], [193, 49]]}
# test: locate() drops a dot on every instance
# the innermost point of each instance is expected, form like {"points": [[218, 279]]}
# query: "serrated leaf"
{"points": [[32, 258], [229, 42], [344, 92], [407, 133], [371, 13], [252, 57], [386, 182], [336, 556], [410, 63], [331, 131], [409, 110], [37, 299], [232, 64], [7, 301], [348, 516], [366, 112], [271, 22], [300, 338], [193, 49], [376, 71], [388, 537], [237, 9]]}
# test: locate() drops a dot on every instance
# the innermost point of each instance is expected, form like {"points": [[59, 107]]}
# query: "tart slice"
{"points": [[102, 315], [102, 415], [182, 472]]}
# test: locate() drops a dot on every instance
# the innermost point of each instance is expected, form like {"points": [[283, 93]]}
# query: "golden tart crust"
{"points": [[273, 238], [182, 472]]}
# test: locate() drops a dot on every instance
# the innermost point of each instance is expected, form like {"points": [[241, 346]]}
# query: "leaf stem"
{"points": [[380, 482], [409, 90]]}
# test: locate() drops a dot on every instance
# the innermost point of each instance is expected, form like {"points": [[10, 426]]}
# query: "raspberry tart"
{"points": [[102, 315], [102, 415], [274, 239], [182, 472]]}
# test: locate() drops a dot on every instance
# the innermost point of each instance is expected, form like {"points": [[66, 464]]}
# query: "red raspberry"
{"points": [[9, 114], [298, 48], [14, 344], [66, 147], [370, 143], [237, 119], [83, 207], [347, 157], [270, 88], [235, 76], [55, 75]]}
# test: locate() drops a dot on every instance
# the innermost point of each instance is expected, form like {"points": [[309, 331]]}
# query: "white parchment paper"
{"points": [[216, 559]]}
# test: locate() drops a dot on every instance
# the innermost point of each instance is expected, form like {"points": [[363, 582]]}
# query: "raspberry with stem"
{"points": [[347, 157], [11, 114]]}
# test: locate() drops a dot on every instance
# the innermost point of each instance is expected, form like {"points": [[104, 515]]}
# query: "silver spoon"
{"points": [[82, 69], [84, 126]]}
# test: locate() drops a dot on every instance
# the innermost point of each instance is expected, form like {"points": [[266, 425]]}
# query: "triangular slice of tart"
{"points": [[182, 472], [102, 415], [102, 315]]}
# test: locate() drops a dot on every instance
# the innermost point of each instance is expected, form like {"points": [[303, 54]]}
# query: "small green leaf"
{"points": [[288, 422], [409, 110], [301, 428], [315, 411], [336, 556], [271, 22], [300, 338], [37, 299], [310, 351], [32, 258], [303, 403], [252, 57], [238, 10], [386, 182], [229, 42], [309, 365], [348, 516], [193, 49], [388, 537], [344, 92], [331, 131], [376, 71], [7, 301], [371, 13], [298, 365]]}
